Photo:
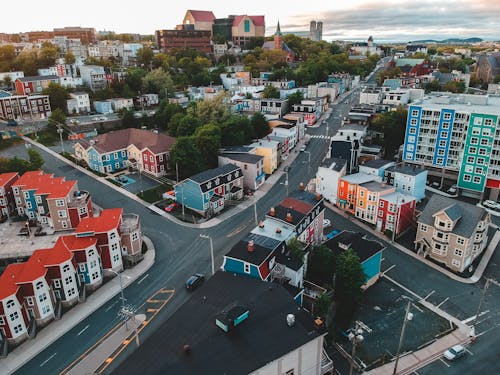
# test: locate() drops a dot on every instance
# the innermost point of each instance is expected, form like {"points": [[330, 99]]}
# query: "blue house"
{"points": [[106, 162], [208, 191], [103, 106], [368, 251], [407, 180]]}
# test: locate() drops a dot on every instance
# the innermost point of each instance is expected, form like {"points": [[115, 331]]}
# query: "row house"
{"points": [[140, 149], [251, 165], [311, 109], [367, 199], [207, 192], [24, 107], [452, 232], [348, 190], [79, 102], [268, 149], [407, 179], [7, 201], [51, 201], [376, 167], [121, 103], [289, 132], [94, 76], [347, 144], [34, 85], [103, 106], [396, 213], [327, 178], [146, 100]]}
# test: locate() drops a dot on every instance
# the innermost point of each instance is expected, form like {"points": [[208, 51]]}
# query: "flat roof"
{"points": [[260, 339], [363, 247], [461, 102], [335, 164], [359, 178]]}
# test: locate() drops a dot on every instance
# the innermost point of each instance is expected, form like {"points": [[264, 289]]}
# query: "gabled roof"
{"points": [[8, 279], [74, 243], [38, 78], [108, 220], [406, 169], [215, 173], [202, 15], [5, 178], [257, 20], [467, 215], [363, 247], [121, 139], [244, 157], [262, 338], [255, 257], [52, 257], [56, 188], [33, 269]]}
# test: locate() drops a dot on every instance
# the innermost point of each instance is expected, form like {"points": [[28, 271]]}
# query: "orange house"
{"points": [[368, 195], [348, 190]]}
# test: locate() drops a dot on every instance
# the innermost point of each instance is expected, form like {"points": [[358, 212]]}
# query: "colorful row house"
{"points": [[140, 149], [7, 203], [51, 201], [207, 192]]}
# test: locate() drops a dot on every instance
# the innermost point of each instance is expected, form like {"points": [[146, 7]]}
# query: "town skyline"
{"points": [[389, 20]]}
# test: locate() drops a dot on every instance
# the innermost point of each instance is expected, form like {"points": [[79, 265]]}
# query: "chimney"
{"points": [[261, 224], [278, 230], [250, 247], [301, 186], [272, 212], [289, 217]]}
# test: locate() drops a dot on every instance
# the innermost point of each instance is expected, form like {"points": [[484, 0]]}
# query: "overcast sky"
{"points": [[401, 20]]}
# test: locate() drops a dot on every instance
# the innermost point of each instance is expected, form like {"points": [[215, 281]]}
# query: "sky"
{"points": [[386, 20]]}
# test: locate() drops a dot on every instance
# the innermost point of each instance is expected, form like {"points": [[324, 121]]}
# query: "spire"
{"points": [[278, 31]]}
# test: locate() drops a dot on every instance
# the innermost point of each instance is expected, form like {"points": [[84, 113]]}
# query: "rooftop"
{"points": [[334, 164], [243, 157], [257, 256], [262, 338], [214, 173], [376, 186], [7, 177], [466, 214], [108, 220], [376, 163], [406, 169], [273, 229], [398, 198], [461, 103], [359, 178], [363, 247], [38, 78]]}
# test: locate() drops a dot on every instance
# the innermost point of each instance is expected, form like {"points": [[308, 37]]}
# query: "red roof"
{"points": [[108, 220], [33, 269], [73, 243], [56, 188], [6, 177], [30, 179], [257, 20], [202, 15], [297, 205], [8, 279], [54, 256]]}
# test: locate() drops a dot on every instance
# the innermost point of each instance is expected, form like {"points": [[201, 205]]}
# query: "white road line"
{"points": [[465, 321], [110, 306], [428, 295], [387, 270], [48, 359], [442, 360], [144, 278], [468, 351], [446, 299], [83, 330]]}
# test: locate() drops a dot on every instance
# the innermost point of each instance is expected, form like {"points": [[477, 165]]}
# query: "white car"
{"points": [[303, 148], [454, 352], [491, 204], [326, 223]]}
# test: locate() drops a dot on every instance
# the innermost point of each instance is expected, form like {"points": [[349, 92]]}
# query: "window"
{"points": [[123, 153], [160, 158], [414, 113], [91, 252], [447, 116], [68, 280], [117, 165], [488, 122], [444, 134], [413, 122], [460, 240], [10, 303], [478, 121], [290, 372], [18, 328], [484, 142], [2, 322], [246, 267], [480, 161], [477, 179], [474, 140], [13, 316], [145, 158], [71, 292], [116, 257], [42, 297], [61, 214], [455, 263], [38, 199], [81, 267], [467, 177], [423, 227], [46, 309], [442, 143], [472, 150], [135, 236], [59, 202], [247, 26], [482, 151], [114, 246], [413, 130], [151, 159], [57, 283], [458, 252], [95, 275], [115, 155], [30, 301], [93, 263], [39, 285], [471, 159], [64, 224], [478, 170]]}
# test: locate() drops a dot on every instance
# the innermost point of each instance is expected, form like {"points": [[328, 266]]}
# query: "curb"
{"points": [[94, 302]]}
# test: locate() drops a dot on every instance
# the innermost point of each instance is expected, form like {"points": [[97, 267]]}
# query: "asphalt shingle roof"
{"points": [[363, 247]]}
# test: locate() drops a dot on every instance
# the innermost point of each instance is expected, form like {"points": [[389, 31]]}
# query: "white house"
{"points": [[327, 178], [79, 102]]}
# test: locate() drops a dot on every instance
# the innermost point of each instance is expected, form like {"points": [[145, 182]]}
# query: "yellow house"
{"points": [[367, 199], [246, 27], [268, 149]]}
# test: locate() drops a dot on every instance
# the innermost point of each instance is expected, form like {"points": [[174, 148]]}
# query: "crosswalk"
{"points": [[318, 136]]}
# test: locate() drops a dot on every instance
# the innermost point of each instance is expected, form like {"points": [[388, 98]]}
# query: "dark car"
{"points": [[194, 281], [11, 122]]}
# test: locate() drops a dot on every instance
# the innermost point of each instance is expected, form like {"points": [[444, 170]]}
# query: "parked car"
{"points": [[303, 148], [454, 352], [122, 178], [12, 122], [491, 204], [452, 189], [326, 223], [171, 207], [194, 281]]}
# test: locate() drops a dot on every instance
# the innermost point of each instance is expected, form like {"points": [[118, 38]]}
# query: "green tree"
{"points": [[127, 117], [47, 55], [188, 125], [18, 165], [173, 124], [134, 78], [35, 159], [349, 278], [145, 57], [7, 57], [295, 98], [158, 82], [393, 125], [433, 86], [56, 118], [208, 140], [187, 156], [7, 82], [214, 110], [271, 92], [321, 266], [295, 249], [69, 58], [260, 125], [165, 112], [455, 87], [322, 305], [236, 131], [57, 96]]}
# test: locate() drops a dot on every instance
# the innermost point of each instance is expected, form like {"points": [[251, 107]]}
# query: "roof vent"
{"points": [[290, 320], [278, 230], [272, 212], [289, 217], [301, 186], [261, 224], [250, 246]]}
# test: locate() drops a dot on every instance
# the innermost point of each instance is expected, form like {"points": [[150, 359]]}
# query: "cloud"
{"points": [[407, 19]]}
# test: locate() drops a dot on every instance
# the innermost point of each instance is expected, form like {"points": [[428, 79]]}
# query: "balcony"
{"points": [[130, 223], [326, 364], [80, 198]]}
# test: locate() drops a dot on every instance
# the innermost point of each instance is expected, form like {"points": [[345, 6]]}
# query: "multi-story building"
{"points": [[103, 106], [251, 165], [311, 109], [34, 85], [407, 180], [376, 167], [94, 77], [488, 67], [208, 191], [367, 199], [452, 232], [246, 27], [11, 75], [457, 137], [24, 107], [51, 201], [116, 150], [327, 178], [348, 190], [268, 149], [396, 213], [347, 144], [79, 102], [316, 31], [121, 103], [7, 201], [188, 38], [85, 34], [200, 19]]}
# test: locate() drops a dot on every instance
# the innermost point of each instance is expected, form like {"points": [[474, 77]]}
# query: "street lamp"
{"points": [[211, 250], [121, 292], [408, 316], [355, 336], [28, 228]]}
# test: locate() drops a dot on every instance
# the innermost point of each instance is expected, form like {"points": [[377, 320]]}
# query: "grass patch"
{"points": [[114, 182], [154, 195], [45, 137]]}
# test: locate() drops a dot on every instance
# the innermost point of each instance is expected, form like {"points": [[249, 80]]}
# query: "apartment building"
{"points": [[24, 107], [457, 136]]}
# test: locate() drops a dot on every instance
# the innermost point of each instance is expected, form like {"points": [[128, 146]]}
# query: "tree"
{"points": [[393, 125], [35, 159], [187, 156], [321, 266], [322, 304], [295, 98], [165, 112], [173, 124], [145, 57], [18, 165], [260, 125], [455, 87], [295, 249], [47, 55], [433, 86], [188, 125], [7, 82], [158, 82], [271, 92], [57, 96], [207, 139], [214, 110], [69, 58], [57, 117], [349, 278], [236, 131], [134, 78]]}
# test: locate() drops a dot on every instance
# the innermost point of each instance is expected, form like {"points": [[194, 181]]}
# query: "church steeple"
{"points": [[278, 38], [278, 30]]}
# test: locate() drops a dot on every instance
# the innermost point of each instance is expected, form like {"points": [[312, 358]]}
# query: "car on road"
{"points": [[303, 148], [326, 223], [454, 352], [491, 204], [195, 281], [171, 207], [11, 122]]}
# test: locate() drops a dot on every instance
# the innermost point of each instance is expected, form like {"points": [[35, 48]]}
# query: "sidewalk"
{"points": [[26, 351], [488, 253]]}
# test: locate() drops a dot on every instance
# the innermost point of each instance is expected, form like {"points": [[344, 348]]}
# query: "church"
{"points": [[278, 44]]}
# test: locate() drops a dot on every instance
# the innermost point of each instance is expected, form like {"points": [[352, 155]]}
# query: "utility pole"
{"points": [[408, 316], [211, 250], [182, 187], [486, 286], [60, 131], [355, 337], [255, 212]]}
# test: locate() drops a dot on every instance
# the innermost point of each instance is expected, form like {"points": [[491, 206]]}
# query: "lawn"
{"points": [[154, 195]]}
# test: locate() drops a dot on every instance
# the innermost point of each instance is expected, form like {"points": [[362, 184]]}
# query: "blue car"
{"points": [[194, 281]]}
